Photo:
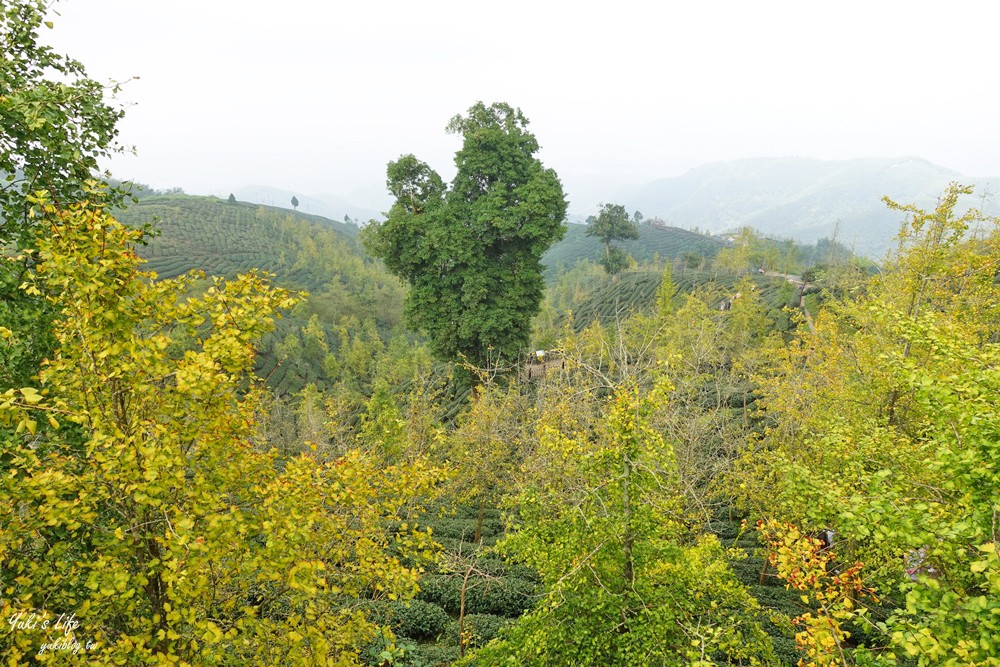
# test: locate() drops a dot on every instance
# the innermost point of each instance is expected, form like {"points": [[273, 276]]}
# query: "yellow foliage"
{"points": [[147, 513]]}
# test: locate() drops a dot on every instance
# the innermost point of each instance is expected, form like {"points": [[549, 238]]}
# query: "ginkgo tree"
{"points": [[56, 123], [600, 515], [883, 428], [150, 509]]}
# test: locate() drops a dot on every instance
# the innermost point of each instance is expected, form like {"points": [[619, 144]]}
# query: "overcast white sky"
{"points": [[316, 97]]}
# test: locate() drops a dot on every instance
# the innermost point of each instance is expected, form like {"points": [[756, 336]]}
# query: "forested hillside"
{"points": [[654, 242], [349, 295], [277, 450]]}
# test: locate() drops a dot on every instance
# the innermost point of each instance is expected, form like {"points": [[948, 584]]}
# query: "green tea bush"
{"points": [[509, 596], [433, 655], [418, 619]]}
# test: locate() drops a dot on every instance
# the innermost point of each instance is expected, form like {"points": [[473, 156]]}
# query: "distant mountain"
{"points": [[800, 198], [328, 206]]}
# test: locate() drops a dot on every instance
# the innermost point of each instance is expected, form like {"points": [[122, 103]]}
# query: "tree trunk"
{"points": [[628, 566], [461, 614], [479, 517], [628, 571]]}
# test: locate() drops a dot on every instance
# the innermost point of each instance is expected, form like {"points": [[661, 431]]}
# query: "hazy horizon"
{"points": [[317, 99]]}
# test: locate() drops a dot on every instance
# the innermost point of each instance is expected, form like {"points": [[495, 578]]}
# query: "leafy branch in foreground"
{"points": [[145, 507], [55, 124], [627, 581]]}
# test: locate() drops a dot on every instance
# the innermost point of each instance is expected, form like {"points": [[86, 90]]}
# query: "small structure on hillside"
{"points": [[542, 361]]}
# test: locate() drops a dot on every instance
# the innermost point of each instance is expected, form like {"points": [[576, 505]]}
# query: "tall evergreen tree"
{"points": [[472, 251]]}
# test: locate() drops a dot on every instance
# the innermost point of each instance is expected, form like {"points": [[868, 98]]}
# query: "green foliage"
{"points": [[480, 629], [612, 224], [508, 596], [382, 426], [600, 518], [26, 333], [952, 617], [203, 233], [416, 619], [883, 429], [615, 261], [496, 591], [711, 412], [743, 255], [155, 518], [55, 124], [666, 242], [471, 251], [665, 294], [488, 445], [333, 334], [435, 655], [639, 291]]}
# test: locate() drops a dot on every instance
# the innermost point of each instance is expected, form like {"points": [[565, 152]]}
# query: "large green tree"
{"points": [[471, 251], [612, 224]]}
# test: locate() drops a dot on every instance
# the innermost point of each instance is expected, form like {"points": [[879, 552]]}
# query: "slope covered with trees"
{"points": [[160, 505], [346, 289], [653, 241]]}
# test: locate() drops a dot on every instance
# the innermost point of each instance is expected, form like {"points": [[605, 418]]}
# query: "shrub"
{"points": [[434, 655], [418, 619], [509, 596]]}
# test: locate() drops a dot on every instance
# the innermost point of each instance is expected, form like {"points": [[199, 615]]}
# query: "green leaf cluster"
{"points": [[55, 124], [471, 251], [54, 121], [612, 224]]}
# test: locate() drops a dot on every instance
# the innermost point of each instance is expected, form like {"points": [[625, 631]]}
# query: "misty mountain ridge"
{"points": [[802, 198], [805, 199]]}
